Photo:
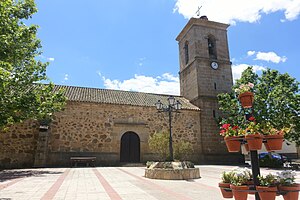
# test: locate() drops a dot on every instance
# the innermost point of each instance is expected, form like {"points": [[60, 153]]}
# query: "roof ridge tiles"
{"points": [[120, 97]]}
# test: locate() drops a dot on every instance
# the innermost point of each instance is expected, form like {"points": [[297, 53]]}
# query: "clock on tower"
{"points": [[205, 71]]}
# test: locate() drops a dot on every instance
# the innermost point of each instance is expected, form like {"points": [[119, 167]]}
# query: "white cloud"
{"points": [[231, 11], [292, 10], [250, 53], [141, 61], [66, 77], [238, 69], [270, 57], [51, 59], [233, 60], [165, 84]]}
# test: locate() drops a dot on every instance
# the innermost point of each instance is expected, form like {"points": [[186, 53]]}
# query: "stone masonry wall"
{"points": [[96, 129], [93, 129], [18, 144]]}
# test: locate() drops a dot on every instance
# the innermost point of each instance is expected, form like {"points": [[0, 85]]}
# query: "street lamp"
{"points": [[173, 106]]}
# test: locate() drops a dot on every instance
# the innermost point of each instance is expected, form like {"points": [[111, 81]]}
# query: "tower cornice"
{"points": [[200, 22]]}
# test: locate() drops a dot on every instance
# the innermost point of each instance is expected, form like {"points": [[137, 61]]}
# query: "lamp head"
{"points": [[158, 105], [178, 105], [171, 100]]}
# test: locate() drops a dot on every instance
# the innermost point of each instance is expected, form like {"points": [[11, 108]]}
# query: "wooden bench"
{"points": [[88, 161]]}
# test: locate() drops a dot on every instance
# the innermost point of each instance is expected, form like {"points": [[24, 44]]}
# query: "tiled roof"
{"points": [[96, 95]]}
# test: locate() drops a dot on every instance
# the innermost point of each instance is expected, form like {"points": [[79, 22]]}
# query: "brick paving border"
{"points": [[55, 187], [107, 187]]}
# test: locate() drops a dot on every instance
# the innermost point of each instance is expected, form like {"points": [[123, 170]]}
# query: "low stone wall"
{"points": [[172, 174]]}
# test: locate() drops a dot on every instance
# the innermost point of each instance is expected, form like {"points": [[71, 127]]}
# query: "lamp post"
{"points": [[173, 106]]}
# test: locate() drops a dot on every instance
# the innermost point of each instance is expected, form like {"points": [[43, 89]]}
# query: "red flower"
{"points": [[235, 127], [252, 118], [226, 126]]}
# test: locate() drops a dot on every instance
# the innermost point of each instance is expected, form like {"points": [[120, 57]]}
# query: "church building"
{"points": [[114, 126]]}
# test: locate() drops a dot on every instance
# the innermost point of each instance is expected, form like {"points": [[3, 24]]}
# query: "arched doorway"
{"points": [[130, 147]]}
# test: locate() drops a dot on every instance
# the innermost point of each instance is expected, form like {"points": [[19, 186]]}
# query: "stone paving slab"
{"points": [[110, 183]]}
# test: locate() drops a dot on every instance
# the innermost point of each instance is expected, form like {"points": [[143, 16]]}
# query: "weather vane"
{"points": [[198, 11]]}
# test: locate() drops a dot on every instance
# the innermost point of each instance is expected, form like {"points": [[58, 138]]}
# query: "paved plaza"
{"points": [[106, 183]]}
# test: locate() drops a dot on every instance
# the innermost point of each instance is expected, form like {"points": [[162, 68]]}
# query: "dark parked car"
{"points": [[272, 160]]}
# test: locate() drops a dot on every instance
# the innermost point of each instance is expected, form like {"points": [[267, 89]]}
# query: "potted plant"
{"points": [[273, 137], [253, 136], [225, 184], [267, 187], [231, 137], [288, 188], [245, 95], [239, 185]]}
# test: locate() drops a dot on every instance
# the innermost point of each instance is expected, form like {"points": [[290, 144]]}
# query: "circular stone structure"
{"points": [[172, 171]]}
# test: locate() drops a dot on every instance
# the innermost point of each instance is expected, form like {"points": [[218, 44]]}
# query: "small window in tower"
{"points": [[186, 52], [212, 50], [215, 86], [214, 114]]}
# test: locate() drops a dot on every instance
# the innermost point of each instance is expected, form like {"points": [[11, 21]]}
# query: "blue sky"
{"points": [[130, 44]]}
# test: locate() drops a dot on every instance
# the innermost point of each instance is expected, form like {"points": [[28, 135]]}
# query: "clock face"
{"points": [[214, 65]]}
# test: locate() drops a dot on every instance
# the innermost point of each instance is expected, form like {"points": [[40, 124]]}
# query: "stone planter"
{"points": [[172, 171], [172, 174]]}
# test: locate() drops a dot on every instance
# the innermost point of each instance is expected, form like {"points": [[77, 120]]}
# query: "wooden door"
{"points": [[130, 147]]}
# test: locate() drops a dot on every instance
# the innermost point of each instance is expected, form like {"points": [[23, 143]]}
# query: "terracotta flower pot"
{"points": [[273, 142], [233, 144], [246, 99], [240, 192], [266, 193], [290, 192], [225, 189], [254, 141]]}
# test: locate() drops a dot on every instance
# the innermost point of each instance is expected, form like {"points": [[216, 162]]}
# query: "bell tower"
{"points": [[205, 71]]}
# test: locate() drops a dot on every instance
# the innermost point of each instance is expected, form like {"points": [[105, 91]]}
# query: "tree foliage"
{"points": [[159, 143], [276, 101], [21, 95]]}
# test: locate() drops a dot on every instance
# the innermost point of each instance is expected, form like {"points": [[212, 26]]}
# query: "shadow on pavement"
{"points": [[14, 174]]}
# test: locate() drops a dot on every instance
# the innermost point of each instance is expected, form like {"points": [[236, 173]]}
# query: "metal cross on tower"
{"points": [[198, 11]]}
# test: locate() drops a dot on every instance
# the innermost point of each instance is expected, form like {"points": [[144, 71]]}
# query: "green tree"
{"points": [[277, 101], [21, 95]]}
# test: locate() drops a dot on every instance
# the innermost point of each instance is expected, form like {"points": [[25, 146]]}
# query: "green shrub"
{"points": [[159, 143], [182, 149]]}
